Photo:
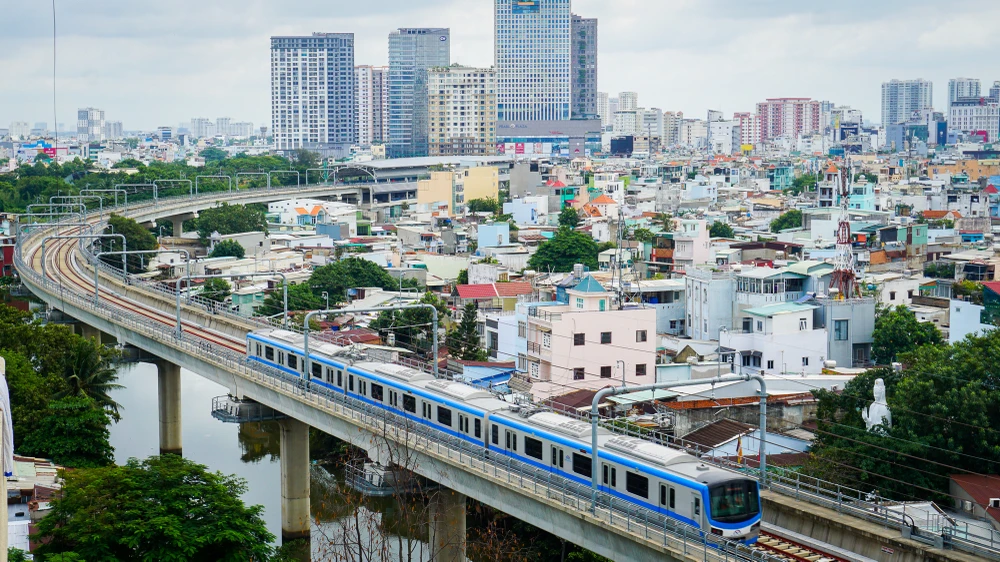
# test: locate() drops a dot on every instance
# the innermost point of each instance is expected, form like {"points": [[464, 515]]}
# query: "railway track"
{"points": [[792, 551]]}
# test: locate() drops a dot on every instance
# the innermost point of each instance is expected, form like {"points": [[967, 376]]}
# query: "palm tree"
{"points": [[88, 372]]}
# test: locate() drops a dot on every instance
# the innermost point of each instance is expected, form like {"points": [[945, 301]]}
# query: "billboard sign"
{"points": [[525, 6]]}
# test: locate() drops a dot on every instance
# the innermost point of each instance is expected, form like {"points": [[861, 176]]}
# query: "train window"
{"points": [[560, 458], [663, 495], [364, 387], [507, 436], [478, 426], [340, 379], [377, 391], [496, 434], [350, 383], [293, 361], [258, 349], [444, 416], [317, 370], [409, 403], [269, 353], [533, 447], [329, 375], [614, 475], [637, 485], [461, 422], [697, 505], [673, 495], [281, 357], [581, 465], [553, 461], [427, 410]]}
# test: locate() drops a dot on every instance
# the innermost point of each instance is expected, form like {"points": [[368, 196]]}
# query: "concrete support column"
{"points": [[169, 389], [88, 331], [447, 522], [178, 223], [295, 517]]}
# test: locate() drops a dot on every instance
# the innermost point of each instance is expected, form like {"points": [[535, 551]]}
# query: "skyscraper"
{"points": [[962, 88], [583, 67], [373, 104], [411, 52], [312, 93], [788, 117], [532, 59], [462, 111], [995, 91], [628, 101], [90, 124], [900, 98], [602, 109]]}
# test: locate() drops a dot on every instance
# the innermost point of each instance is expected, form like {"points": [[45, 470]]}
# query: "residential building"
{"points": [[223, 126], [412, 51], [962, 88], [628, 101], [202, 127], [650, 122], [692, 244], [583, 67], [462, 111], [788, 117], [977, 117], [603, 109], [90, 125], [584, 343], [113, 130], [724, 137], [765, 342], [900, 98], [672, 127], [626, 123], [453, 189], [19, 130], [312, 93], [373, 104], [995, 91], [692, 132], [532, 60], [708, 301], [749, 125]]}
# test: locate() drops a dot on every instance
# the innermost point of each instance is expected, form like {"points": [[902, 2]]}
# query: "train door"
{"points": [[696, 507]]}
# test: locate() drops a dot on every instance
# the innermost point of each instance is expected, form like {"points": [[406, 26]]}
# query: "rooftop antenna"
{"points": [[843, 277]]}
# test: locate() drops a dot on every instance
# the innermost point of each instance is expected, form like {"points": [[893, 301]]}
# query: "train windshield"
{"points": [[734, 501]]}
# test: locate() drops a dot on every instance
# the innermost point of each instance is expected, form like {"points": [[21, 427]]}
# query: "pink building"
{"points": [[586, 343], [788, 116], [749, 127]]}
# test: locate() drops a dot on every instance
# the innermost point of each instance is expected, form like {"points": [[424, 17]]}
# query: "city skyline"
{"points": [[108, 55]]}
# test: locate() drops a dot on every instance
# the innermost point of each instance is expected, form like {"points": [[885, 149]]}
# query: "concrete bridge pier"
{"points": [[88, 331], [169, 392], [295, 518], [447, 526], [178, 222]]}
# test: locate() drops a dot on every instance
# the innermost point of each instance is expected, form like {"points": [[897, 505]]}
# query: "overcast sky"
{"points": [[162, 63]]}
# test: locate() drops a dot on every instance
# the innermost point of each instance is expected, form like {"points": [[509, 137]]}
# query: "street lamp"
{"points": [[718, 371], [326, 296]]}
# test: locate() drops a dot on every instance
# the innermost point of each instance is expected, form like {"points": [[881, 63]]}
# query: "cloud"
{"points": [[150, 64]]}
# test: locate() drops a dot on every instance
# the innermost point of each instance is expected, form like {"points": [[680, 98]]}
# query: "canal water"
{"points": [[345, 526]]}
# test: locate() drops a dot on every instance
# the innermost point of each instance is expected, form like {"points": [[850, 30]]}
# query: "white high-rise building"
{"points": [[749, 127], [202, 127], [650, 122], [532, 59], [241, 129], [626, 122], [462, 111], [628, 101], [603, 109], [975, 116], [900, 98], [90, 124], [223, 126], [373, 104], [113, 130], [962, 88], [19, 130], [312, 93]]}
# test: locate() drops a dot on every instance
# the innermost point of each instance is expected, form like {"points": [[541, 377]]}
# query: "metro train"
{"points": [[664, 480]]}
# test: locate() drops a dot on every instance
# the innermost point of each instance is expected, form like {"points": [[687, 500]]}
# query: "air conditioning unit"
{"points": [[967, 506], [995, 502]]}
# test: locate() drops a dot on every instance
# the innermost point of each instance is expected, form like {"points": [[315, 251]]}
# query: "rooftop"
{"points": [[780, 308]]}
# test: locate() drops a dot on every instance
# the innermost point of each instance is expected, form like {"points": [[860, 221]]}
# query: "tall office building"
{"points": [[462, 111], [223, 126], [995, 91], [583, 67], [373, 104], [312, 93], [90, 125], [113, 130], [532, 59], [602, 109], [900, 98], [411, 52], [975, 116], [202, 127], [650, 122], [962, 88], [628, 101], [788, 117]]}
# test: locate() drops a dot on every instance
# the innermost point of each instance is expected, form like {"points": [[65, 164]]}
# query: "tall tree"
{"points": [[463, 341], [75, 434], [569, 217], [336, 278], [300, 297], [566, 248], [413, 328], [162, 508], [231, 219], [216, 289], [788, 219], [89, 373], [897, 331], [136, 238], [721, 230], [213, 155], [228, 248]]}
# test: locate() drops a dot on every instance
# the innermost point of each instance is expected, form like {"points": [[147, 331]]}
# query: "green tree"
{"points": [[970, 290], [666, 221], [805, 182], [487, 205], [413, 328], [336, 278], [569, 217], [939, 270], [16, 555], [228, 248], [564, 250], [231, 219], [89, 373], [643, 235], [300, 297], [897, 331], [136, 238], [216, 289], [721, 230], [213, 155], [305, 158], [463, 277], [463, 341], [74, 433], [788, 219], [162, 508]]}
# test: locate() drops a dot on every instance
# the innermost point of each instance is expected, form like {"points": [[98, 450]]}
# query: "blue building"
{"points": [[411, 52]]}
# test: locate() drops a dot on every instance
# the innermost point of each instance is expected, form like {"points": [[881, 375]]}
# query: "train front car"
{"points": [[734, 507]]}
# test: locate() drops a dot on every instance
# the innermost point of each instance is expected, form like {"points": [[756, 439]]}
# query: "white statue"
{"points": [[878, 413]]}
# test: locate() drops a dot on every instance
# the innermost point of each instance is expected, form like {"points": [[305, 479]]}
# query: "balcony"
{"points": [[540, 313]]}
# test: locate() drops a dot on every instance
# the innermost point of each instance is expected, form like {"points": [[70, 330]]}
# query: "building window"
{"points": [[579, 339], [606, 372], [605, 337], [522, 330], [892, 295], [534, 370], [803, 324], [770, 364], [579, 302], [760, 326], [640, 370], [805, 361], [601, 305], [578, 373], [840, 330], [546, 340], [640, 335]]}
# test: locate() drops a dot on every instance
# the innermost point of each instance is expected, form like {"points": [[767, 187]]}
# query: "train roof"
{"points": [[647, 451], [553, 421], [457, 390], [399, 372]]}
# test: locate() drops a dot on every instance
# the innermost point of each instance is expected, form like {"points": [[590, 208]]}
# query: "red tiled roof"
{"points": [[513, 288], [934, 215], [991, 189], [982, 488], [482, 291], [602, 200], [993, 286]]}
